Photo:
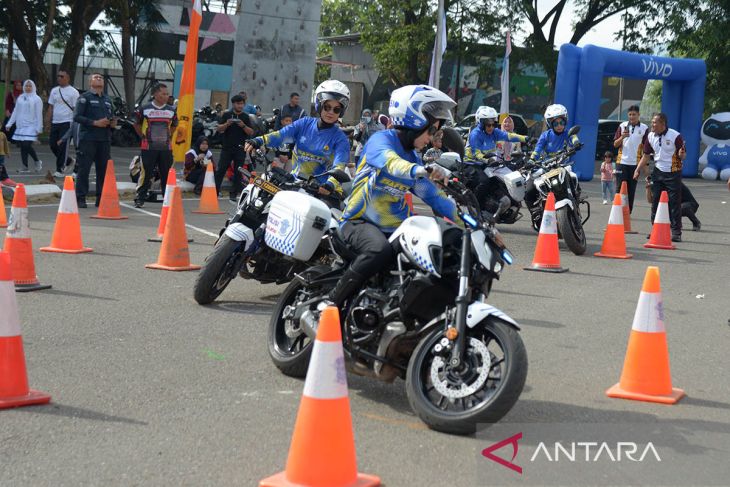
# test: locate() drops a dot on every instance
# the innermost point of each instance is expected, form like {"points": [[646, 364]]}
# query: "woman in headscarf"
{"points": [[196, 161], [28, 120]]}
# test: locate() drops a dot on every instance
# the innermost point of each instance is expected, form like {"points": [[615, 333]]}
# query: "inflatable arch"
{"points": [[578, 86]]}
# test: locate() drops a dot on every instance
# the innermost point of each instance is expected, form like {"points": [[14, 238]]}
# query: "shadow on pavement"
{"points": [[78, 295], [80, 413]]}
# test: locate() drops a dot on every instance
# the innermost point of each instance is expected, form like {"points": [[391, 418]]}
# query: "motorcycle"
{"points": [[555, 175], [243, 247], [205, 123], [427, 321]]}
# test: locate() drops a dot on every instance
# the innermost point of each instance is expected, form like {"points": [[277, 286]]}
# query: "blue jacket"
{"points": [[480, 142], [549, 143]]}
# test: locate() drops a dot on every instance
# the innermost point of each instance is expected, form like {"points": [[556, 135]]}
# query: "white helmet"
{"points": [[485, 113], [555, 111], [332, 90], [410, 106]]}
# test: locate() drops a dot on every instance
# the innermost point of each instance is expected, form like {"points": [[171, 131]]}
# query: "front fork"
{"points": [[462, 301]]}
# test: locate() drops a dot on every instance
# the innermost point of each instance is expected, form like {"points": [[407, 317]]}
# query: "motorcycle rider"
{"points": [[319, 144], [389, 167]]}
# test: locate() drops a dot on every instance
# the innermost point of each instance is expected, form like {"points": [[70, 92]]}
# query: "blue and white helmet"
{"points": [[410, 106], [332, 90]]}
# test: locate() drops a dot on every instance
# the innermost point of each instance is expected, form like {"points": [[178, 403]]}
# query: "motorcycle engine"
{"points": [[366, 316]]}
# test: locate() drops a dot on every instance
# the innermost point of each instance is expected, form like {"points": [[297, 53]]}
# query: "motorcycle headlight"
{"points": [[497, 267]]}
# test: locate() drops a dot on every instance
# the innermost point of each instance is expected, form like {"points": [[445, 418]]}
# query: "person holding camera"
{"points": [[237, 127], [93, 113]]}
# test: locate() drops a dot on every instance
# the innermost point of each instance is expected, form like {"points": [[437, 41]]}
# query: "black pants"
{"points": [[58, 130], [477, 181], [26, 149], [627, 174], [372, 246], [88, 152], [238, 156], [151, 159], [3, 171], [671, 182], [197, 177]]}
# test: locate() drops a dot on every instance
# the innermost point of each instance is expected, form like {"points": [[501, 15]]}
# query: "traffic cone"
{"points": [[67, 231], [209, 196], [109, 205], [409, 203], [174, 254], [661, 230], [626, 209], [171, 183], [646, 375], [322, 451], [20, 246], [14, 391], [3, 217], [547, 253], [614, 242]]}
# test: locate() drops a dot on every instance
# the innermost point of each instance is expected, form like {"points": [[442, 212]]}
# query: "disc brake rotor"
{"points": [[449, 388]]}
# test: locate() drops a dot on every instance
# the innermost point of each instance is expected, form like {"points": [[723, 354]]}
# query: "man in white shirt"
{"points": [[629, 140], [61, 101]]}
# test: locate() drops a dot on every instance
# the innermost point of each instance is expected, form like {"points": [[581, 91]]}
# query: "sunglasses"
{"points": [[559, 122], [336, 109]]}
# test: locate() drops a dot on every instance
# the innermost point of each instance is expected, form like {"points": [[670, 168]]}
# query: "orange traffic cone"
{"points": [[67, 231], [547, 253], [661, 231], [171, 184], [322, 451], [20, 246], [614, 242], [174, 254], [646, 375], [626, 209], [3, 217], [109, 205], [409, 203], [209, 196], [14, 391]]}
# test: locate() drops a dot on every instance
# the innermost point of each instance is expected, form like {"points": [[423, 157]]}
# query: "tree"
{"points": [[83, 13]]}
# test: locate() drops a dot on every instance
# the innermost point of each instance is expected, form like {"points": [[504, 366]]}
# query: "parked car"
{"points": [[464, 126], [604, 142]]}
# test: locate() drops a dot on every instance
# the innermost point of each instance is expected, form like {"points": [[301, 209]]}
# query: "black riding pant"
{"points": [[671, 182], [238, 156], [477, 181], [374, 252], [58, 130], [88, 152], [627, 174], [151, 159]]}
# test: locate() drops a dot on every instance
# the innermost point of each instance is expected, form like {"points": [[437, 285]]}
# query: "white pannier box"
{"points": [[514, 181], [295, 224]]}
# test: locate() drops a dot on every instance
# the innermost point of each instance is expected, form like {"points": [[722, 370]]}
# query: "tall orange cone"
{"points": [[646, 375], [547, 253], [14, 391], [614, 241], [109, 205], [20, 246], [209, 196], [3, 217], [171, 184], [322, 451], [174, 254], [625, 205], [661, 230], [67, 231]]}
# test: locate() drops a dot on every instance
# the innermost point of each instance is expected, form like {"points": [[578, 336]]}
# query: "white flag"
{"points": [[504, 105], [439, 46]]}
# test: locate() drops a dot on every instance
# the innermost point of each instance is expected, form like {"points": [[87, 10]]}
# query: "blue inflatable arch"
{"points": [[578, 86]]}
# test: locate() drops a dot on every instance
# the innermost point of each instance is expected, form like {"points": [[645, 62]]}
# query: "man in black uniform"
{"points": [[94, 115], [237, 127], [155, 122]]}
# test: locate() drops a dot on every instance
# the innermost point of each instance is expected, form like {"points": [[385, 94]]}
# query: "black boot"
{"points": [[350, 282], [696, 224]]}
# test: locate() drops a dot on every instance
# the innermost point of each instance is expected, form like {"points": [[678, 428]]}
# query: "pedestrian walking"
{"points": [[607, 170], [291, 109], [60, 115], [155, 123], [94, 115], [666, 147], [237, 127], [629, 140], [27, 117]]}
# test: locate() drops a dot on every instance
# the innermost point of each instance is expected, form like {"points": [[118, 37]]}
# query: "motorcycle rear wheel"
{"points": [[571, 229], [219, 269]]}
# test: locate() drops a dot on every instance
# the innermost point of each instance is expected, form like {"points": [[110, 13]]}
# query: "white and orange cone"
{"points": [[169, 187], [646, 375], [661, 230], [67, 231], [627, 210], [614, 241], [14, 391], [322, 451], [209, 197], [547, 252], [3, 216]]}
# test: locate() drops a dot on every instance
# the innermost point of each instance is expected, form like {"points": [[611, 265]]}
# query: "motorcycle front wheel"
{"points": [[571, 229], [219, 269], [482, 390]]}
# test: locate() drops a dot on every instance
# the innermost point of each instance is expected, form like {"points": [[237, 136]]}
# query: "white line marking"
{"points": [[192, 227]]}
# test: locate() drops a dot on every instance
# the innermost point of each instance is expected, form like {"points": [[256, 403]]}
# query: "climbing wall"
{"points": [[276, 45]]}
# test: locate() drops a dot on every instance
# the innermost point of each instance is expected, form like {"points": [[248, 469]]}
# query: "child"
{"points": [[4, 151], [284, 152], [607, 170], [434, 153]]}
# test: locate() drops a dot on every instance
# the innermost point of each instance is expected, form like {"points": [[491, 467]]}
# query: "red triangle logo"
{"points": [[487, 452]]}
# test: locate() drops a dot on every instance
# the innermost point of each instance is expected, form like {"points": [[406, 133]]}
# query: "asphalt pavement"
{"points": [[150, 388]]}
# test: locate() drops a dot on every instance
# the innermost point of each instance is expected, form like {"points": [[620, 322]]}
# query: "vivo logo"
{"points": [[654, 68]]}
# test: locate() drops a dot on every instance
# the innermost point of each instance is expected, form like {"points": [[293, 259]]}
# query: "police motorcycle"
{"points": [[249, 247], [426, 321], [555, 174]]}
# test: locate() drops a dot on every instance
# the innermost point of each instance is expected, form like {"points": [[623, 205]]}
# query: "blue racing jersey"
{"points": [[549, 143], [481, 142], [316, 150], [385, 172]]}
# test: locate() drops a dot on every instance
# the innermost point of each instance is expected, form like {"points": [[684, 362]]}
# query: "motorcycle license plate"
{"points": [[266, 186]]}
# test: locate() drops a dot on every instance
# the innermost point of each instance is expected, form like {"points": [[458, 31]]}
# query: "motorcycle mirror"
{"points": [[452, 142], [449, 160], [574, 130], [339, 175]]}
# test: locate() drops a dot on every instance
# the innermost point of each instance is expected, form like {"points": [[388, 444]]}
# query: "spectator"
{"points": [[434, 153], [71, 135], [61, 101], [368, 126], [237, 128], [94, 115], [4, 152], [155, 123], [27, 116], [196, 163], [607, 169], [508, 148], [291, 109], [10, 98], [629, 139], [667, 148], [247, 107], [284, 151]]}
